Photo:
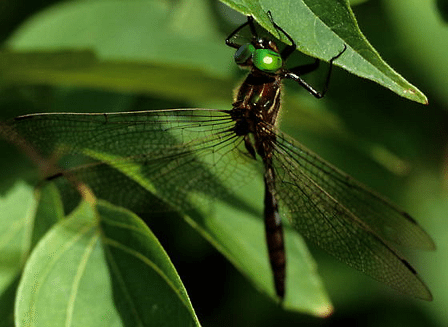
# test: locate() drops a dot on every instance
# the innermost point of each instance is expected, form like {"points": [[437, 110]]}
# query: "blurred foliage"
{"points": [[178, 59], [442, 6]]}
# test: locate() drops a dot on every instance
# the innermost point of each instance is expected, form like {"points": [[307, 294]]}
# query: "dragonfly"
{"points": [[183, 154]]}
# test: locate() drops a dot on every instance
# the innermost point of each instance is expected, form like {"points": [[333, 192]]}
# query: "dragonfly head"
{"points": [[266, 60]]}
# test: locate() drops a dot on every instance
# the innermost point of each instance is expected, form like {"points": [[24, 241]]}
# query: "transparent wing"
{"points": [[346, 219], [181, 154], [177, 154]]}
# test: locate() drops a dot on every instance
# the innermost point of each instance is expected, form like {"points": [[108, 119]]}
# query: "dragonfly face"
{"points": [[266, 60], [175, 153]]}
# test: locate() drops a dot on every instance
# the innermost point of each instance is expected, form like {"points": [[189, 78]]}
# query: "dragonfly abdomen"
{"points": [[274, 230]]}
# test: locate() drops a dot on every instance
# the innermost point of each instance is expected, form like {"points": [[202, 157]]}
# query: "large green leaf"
{"points": [[84, 69], [137, 31], [133, 46], [320, 29], [26, 215], [17, 209], [101, 267]]}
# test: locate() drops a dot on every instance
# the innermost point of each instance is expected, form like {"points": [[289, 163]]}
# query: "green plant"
{"points": [[174, 53]]}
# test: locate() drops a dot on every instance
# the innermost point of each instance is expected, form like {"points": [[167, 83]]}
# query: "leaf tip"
{"points": [[418, 96], [87, 193], [324, 311]]}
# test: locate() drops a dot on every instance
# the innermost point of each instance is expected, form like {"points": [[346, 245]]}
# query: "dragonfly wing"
{"points": [[346, 219], [388, 221], [176, 154]]}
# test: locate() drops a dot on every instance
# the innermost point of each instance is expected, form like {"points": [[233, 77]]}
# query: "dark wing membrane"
{"points": [[345, 219], [177, 154]]}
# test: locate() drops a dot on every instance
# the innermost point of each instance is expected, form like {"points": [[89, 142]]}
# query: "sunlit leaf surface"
{"points": [[106, 256]]}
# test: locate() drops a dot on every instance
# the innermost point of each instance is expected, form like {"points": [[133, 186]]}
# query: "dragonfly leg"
{"points": [[250, 23], [286, 52], [295, 73]]}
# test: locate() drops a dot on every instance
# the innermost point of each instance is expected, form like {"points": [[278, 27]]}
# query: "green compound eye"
{"points": [[244, 53], [267, 60]]}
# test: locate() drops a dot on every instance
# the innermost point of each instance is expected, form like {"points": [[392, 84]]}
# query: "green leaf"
{"points": [[147, 289], [17, 216], [49, 211], [356, 2], [320, 29], [84, 69], [26, 217], [7, 300], [125, 31], [158, 58], [17, 209], [106, 256], [65, 275]]}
